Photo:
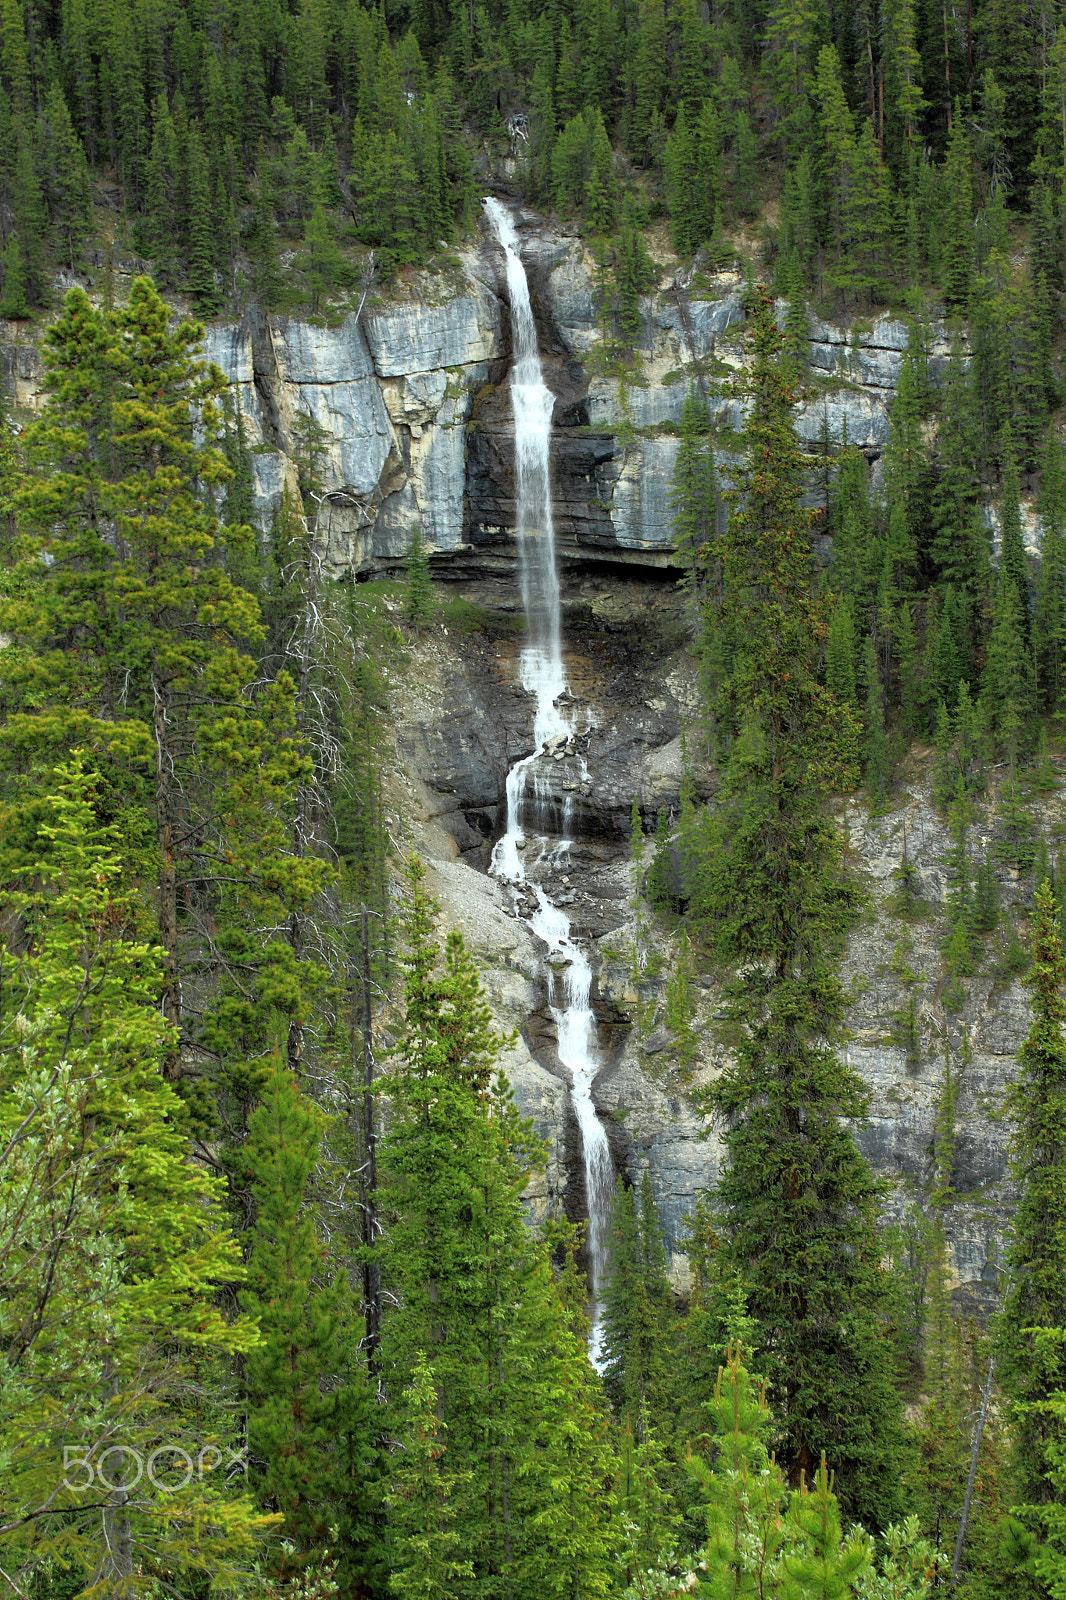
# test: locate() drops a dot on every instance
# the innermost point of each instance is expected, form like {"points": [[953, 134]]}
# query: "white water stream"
{"points": [[542, 674]]}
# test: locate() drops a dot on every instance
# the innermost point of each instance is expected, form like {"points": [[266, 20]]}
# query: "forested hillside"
{"points": [[274, 1320]]}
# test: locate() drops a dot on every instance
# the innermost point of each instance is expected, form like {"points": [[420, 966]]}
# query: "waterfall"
{"points": [[517, 855]]}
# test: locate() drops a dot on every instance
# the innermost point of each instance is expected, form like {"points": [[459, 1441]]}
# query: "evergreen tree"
{"points": [[694, 498], [649, 77], [798, 1201], [601, 189], [572, 163], [907, 477], [424, 1500], [681, 167], [1012, 563], [201, 246], [1029, 1327], [139, 640], [638, 1333], [419, 601], [1049, 615], [464, 1279], [840, 657], [1007, 684], [758, 1544], [875, 758], [320, 261], [13, 301], [634, 274], [311, 1425], [112, 1240], [958, 230], [67, 191]]}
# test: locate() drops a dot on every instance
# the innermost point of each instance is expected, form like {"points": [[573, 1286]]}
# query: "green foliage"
{"points": [[1033, 1314], [422, 1499], [774, 896], [139, 651], [463, 1278], [639, 1325], [419, 601], [840, 657], [764, 1543], [680, 1006], [634, 274], [112, 1241], [311, 1425]]}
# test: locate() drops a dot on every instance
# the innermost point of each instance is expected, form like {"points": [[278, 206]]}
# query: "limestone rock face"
{"points": [[462, 331], [860, 418], [641, 512], [415, 405], [392, 394], [328, 374]]}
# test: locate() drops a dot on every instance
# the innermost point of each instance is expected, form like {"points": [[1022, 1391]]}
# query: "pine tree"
{"points": [[694, 498], [634, 274], [311, 1425], [1012, 564], [1007, 695], [160, 224], [320, 261], [601, 189], [158, 685], [419, 601], [759, 1544], [112, 1239], [907, 477], [1029, 1336], [778, 902], [868, 221], [263, 245], [840, 657], [958, 229], [67, 191], [960, 543], [743, 1498], [841, 161], [464, 1279], [638, 1317], [424, 1498], [13, 302], [875, 757], [903, 73], [649, 77], [681, 167], [1049, 613], [572, 163], [852, 524]]}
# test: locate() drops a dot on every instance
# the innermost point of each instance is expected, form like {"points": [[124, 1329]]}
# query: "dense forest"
{"points": [[272, 1321]]}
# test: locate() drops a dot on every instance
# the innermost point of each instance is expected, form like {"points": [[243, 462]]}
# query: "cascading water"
{"points": [[542, 674]]}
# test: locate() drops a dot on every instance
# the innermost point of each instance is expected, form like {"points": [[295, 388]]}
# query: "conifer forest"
{"points": [[532, 799]]}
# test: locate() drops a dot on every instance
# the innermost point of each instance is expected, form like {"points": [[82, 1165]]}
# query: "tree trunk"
{"points": [[168, 883]]}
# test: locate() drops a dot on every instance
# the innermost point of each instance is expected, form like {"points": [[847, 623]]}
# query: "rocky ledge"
{"points": [[414, 404]]}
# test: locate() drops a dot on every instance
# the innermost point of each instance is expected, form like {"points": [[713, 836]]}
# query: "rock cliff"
{"points": [[414, 403], [413, 400]]}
